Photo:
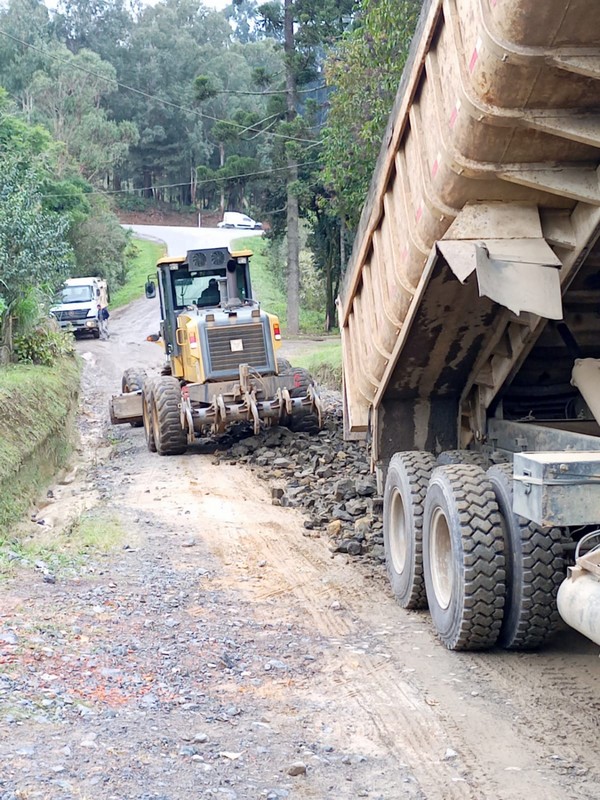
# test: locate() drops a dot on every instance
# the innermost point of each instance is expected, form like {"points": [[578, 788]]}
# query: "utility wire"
{"points": [[147, 95], [186, 183]]}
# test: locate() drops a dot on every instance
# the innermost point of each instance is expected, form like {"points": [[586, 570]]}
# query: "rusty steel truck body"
{"points": [[221, 362], [471, 322]]}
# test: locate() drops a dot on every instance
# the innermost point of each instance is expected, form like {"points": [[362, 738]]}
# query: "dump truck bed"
{"points": [[483, 209]]}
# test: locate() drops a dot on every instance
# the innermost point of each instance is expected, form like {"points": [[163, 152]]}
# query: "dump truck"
{"points": [[221, 362], [76, 306], [470, 321]]}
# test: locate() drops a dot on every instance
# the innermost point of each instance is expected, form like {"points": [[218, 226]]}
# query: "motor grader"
{"points": [[220, 358]]}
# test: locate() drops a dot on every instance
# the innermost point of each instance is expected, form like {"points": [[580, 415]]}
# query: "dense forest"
{"points": [[276, 109]]}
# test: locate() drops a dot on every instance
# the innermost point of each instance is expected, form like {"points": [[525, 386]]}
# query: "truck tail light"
{"points": [[276, 331]]}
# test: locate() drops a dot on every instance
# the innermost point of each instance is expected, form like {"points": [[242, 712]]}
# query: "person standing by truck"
{"points": [[103, 316]]}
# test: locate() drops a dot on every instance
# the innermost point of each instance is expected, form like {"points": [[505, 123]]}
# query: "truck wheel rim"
{"points": [[442, 574], [398, 532]]}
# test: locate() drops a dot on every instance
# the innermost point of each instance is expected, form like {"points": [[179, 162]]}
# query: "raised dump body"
{"points": [[474, 287]]}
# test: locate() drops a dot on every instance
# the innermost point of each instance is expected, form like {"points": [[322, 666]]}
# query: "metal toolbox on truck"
{"points": [[557, 488]]}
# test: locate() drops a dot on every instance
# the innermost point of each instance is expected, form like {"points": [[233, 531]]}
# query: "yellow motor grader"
{"points": [[220, 358]]}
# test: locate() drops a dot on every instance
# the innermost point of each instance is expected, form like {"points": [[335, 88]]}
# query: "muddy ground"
{"points": [[219, 651]]}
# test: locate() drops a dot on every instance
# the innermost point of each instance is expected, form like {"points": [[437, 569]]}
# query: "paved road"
{"points": [[181, 239]]}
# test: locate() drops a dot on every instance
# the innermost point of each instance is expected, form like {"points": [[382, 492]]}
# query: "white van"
{"points": [[77, 304], [233, 219]]}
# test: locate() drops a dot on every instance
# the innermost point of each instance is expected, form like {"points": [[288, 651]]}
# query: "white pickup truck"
{"points": [[233, 219], [77, 304]]}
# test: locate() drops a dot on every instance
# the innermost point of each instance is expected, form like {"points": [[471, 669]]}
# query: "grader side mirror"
{"points": [[150, 289]]}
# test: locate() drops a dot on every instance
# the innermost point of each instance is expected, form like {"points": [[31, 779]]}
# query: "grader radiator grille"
{"points": [[230, 346]]}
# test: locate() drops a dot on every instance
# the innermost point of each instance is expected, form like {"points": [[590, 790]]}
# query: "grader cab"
{"points": [[220, 358]]}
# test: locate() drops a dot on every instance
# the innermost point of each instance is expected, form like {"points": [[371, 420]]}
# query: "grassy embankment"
{"points": [[37, 433], [37, 408], [37, 430], [322, 358], [143, 264]]}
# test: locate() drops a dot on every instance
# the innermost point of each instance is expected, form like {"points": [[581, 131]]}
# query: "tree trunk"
{"points": [[342, 246], [293, 250], [221, 163], [193, 186], [147, 178], [293, 240], [329, 301]]}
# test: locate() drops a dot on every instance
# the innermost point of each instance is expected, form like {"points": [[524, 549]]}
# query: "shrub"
{"points": [[43, 345]]}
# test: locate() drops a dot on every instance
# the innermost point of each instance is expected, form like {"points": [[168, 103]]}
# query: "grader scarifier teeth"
{"points": [[278, 411]]}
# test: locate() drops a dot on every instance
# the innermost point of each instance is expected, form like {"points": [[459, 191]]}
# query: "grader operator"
{"points": [[220, 358]]}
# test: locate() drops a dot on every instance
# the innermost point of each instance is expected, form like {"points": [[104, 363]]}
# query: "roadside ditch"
{"points": [[38, 407]]}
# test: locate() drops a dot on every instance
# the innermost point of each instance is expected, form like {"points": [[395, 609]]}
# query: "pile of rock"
{"points": [[324, 476]]}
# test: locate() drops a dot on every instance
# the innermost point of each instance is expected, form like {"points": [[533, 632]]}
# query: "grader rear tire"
{"points": [[147, 401], [403, 501], [169, 437], [463, 557], [534, 571]]}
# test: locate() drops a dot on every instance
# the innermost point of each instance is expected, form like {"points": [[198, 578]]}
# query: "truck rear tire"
{"points": [[403, 502], [462, 457], [132, 381], [534, 571], [147, 401], [463, 557], [169, 437]]}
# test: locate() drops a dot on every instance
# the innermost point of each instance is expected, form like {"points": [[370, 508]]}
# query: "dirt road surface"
{"points": [[219, 650]]}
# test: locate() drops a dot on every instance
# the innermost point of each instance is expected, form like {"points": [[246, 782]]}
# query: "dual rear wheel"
{"points": [[452, 542]]}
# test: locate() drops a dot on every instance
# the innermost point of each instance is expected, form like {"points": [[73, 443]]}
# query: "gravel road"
{"points": [[223, 651]]}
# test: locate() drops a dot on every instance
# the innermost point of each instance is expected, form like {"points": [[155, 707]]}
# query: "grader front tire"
{"points": [[147, 402], [169, 437]]}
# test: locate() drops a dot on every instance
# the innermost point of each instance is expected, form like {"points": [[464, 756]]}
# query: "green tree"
{"points": [[364, 71], [27, 32], [33, 248], [67, 97], [304, 28]]}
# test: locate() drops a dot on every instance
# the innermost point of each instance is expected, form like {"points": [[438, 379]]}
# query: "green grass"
{"points": [[143, 264], [266, 289], [324, 362], [62, 551], [37, 407]]}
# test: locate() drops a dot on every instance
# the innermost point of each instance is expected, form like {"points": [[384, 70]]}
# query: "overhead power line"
{"points": [[187, 183], [147, 95]]}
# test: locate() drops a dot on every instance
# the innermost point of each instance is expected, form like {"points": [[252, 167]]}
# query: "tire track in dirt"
{"points": [[397, 717], [412, 700]]}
